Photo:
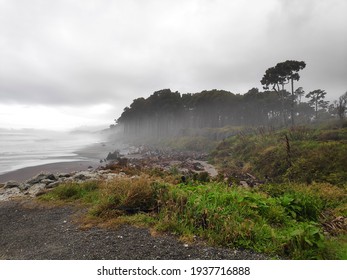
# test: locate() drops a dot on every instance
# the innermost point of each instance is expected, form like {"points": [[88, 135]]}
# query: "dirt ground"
{"points": [[31, 231]]}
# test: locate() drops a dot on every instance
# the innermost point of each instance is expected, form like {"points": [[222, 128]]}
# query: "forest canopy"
{"points": [[166, 113]]}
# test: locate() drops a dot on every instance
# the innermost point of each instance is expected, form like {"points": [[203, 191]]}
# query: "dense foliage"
{"points": [[166, 114]]}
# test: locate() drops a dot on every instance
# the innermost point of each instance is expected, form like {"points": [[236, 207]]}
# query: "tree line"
{"points": [[166, 113]]}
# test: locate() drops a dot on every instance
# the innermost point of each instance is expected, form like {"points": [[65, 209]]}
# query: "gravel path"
{"points": [[30, 231]]}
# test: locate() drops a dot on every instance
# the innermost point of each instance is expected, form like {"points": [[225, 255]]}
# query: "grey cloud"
{"points": [[87, 52]]}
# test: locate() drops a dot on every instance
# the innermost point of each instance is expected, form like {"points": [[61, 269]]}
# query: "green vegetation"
{"points": [[297, 208], [281, 220], [300, 154], [87, 192]]}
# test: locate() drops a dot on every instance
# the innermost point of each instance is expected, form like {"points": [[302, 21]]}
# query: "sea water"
{"points": [[24, 148]]}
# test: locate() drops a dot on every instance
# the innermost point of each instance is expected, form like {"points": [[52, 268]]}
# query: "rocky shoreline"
{"points": [[190, 164], [139, 159]]}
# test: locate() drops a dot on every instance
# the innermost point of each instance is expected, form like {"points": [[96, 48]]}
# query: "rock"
{"points": [[47, 181], [52, 177], [7, 194], [36, 189], [244, 184], [103, 171], [84, 175], [110, 176], [64, 175], [115, 155], [40, 177], [11, 184], [52, 185], [24, 186], [198, 166]]}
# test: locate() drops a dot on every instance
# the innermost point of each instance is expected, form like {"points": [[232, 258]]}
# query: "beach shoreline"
{"points": [[26, 173], [87, 157]]}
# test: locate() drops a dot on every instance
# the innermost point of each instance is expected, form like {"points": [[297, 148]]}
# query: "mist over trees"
{"points": [[166, 113]]}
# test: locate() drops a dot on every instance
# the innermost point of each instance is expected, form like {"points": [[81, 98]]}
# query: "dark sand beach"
{"points": [[26, 173]]}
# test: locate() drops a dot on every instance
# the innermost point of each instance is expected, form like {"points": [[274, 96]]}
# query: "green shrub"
{"points": [[306, 202], [337, 248], [304, 241], [301, 206]]}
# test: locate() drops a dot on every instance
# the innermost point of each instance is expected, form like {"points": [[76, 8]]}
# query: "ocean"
{"points": [[24, 148]]}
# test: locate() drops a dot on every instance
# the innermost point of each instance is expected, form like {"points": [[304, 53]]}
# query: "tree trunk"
{"points": [[292, 105]]}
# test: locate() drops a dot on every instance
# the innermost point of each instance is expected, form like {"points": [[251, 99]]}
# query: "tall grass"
{"points": [[284, 220], [87, 192], [126, 195], [283, 225], [300, 155]]}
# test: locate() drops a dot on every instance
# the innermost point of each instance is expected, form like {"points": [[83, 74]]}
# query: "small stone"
{"points": [[47, 181], [52, 185], [244, 184], [11, 184], [64, 175]]}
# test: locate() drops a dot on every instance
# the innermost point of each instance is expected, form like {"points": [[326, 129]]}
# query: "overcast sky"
{"points": [[69, 63]]}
